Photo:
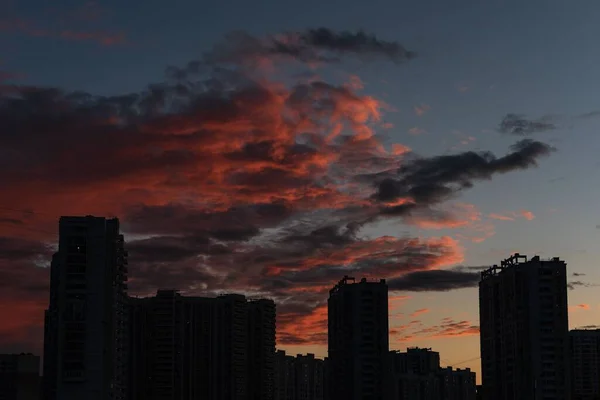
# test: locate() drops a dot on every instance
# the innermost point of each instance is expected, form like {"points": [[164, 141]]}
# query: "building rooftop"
{"points": [[350, 280], [514, 260]]}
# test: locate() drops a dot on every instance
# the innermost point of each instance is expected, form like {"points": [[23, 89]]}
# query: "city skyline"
{"points": [[101, 342], [276, 160]]}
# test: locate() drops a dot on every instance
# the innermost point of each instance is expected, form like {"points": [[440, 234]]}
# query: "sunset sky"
{"points": [[271, 147]]}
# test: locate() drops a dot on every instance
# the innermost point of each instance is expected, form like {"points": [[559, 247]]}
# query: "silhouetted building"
{"points": [[585, 364], [457, 384], [479, 395], [358, 340], [19, 377], [416, 375], [261, 355], [185, 348], [85, 343], [285, 376], [524, 330], [299, 378]]}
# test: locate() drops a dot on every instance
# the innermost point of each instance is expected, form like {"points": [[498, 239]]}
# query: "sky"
{"points": [[271, 148]]}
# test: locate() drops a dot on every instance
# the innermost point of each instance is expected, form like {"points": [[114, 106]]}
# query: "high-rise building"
{"points": [[261, 355], [585, 364], [457, 384], [86, 328], [413, 375], [285, 376], [188, 348], [299, 378], [19, 377], [358, 341], [524, 330], [416, 375]]}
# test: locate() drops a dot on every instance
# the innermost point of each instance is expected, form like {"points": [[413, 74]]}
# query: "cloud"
{"points": [[34, 29], [574, 284], [457, 215], [23, 293], [588, 327], [423, 182], [420, 311], [9, 76], [434, 280], [528, 215], [449, 328], [312, 46], [226, 179], [579, 307], [303, 329], [578, 274], [421, 109], [502, 217], [416, 131], [588, 115], [512, 215], [516, 124]]}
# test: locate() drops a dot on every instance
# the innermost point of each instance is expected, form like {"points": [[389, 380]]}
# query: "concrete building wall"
{"points": [[86, 328], [585, 364], [299, 378], [416, 375], [189, 348], [19, 377], [261, 345], [358, 339], [524, 330]]}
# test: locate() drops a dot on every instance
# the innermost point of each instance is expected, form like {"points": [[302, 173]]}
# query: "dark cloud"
{"points": [[12, 221], [575, 284], [428, 181], [588, 327], [15, 249], [225, 179], [320, 45], [578, 274], [344, 42], [171, 249], [434, 280], [516, 124], [588, 115], [449, 328]]}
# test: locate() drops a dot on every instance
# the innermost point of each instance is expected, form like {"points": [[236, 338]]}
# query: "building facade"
{"points": [[19, 377], [524, 330], [261, 355], [585, 364], [416, 375], [358, 339], [299, 378], [185, 348], [85, 344]]}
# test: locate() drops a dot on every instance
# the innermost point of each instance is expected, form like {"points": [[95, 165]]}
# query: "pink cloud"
{"points": [[421, 109], [528, 215], [501, 217], [578, 307], [512, 215], [416, 131], [420, 311]]}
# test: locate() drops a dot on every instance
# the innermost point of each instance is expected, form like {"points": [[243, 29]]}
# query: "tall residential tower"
{"points": [[188, 348], [585, 364], [358, 339], [85, 343], [524, 330]]}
